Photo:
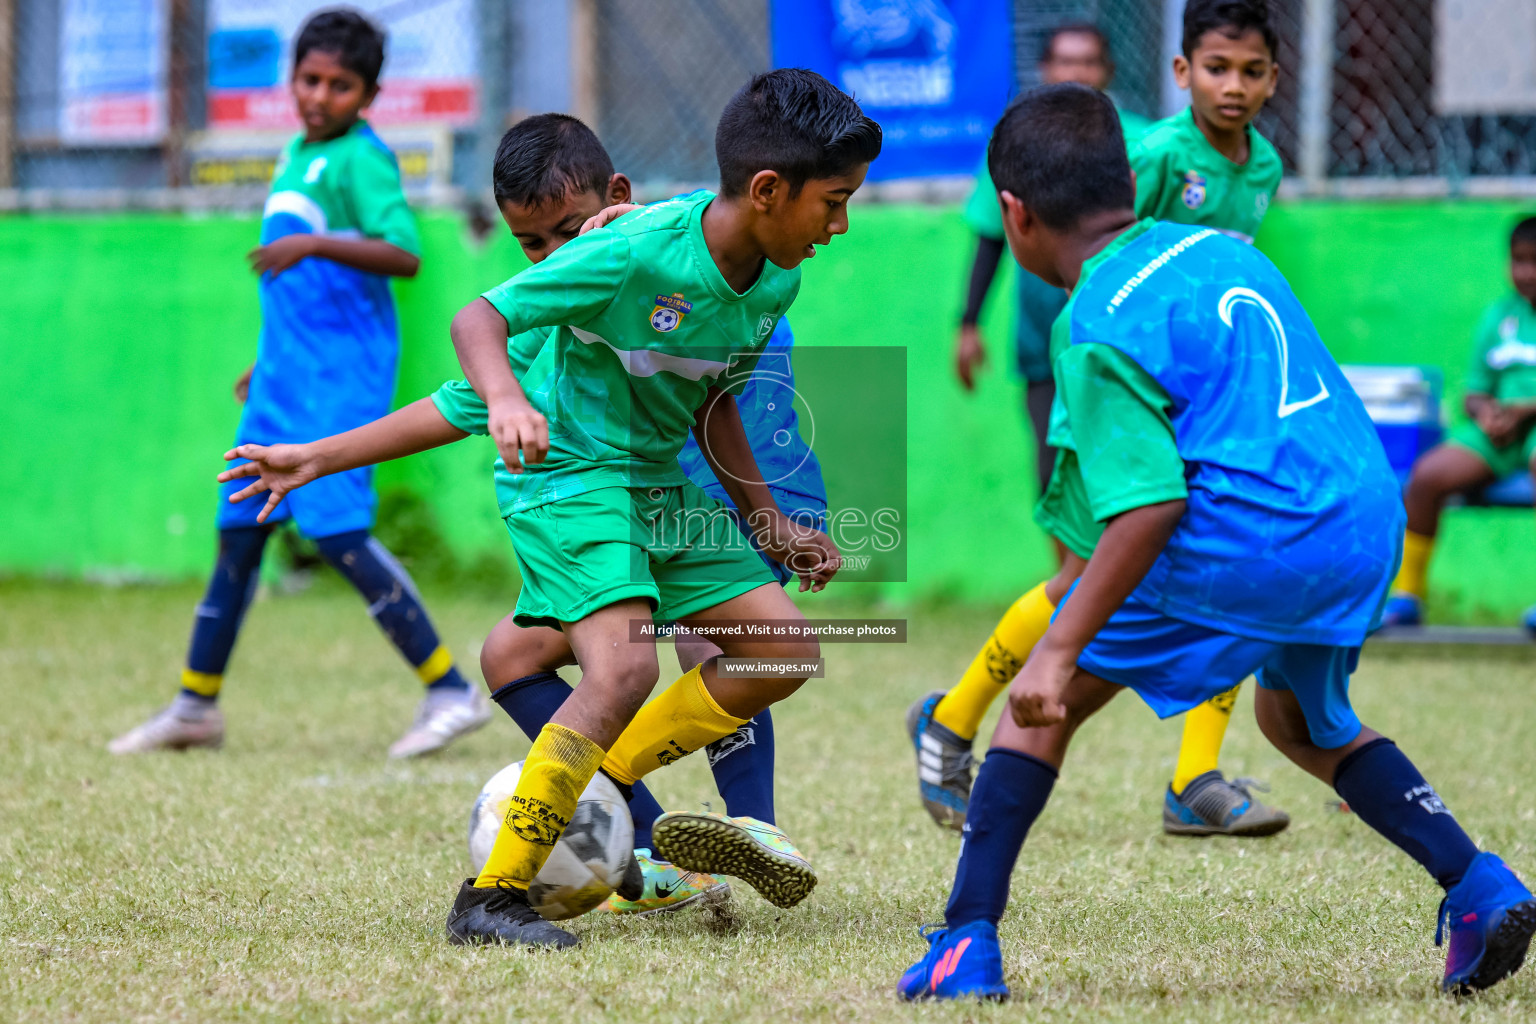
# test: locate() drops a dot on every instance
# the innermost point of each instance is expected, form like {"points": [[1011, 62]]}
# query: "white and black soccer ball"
{"points": [[586, 864]]}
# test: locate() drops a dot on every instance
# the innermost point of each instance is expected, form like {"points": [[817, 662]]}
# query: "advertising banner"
{"points": [[936, 74], [112, 72], [430, 64]]}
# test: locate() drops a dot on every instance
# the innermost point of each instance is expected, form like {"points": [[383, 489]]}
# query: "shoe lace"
{"points": [[511, 901], [1247, 783], [957, 767], [928, 932]]}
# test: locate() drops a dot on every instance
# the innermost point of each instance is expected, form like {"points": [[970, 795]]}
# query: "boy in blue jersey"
{"points": [[336, 227], [1242, 519], [552, 175]]}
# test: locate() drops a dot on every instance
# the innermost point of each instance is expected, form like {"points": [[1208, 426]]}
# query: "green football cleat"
{"points": [[667, 887], [745, 848]]}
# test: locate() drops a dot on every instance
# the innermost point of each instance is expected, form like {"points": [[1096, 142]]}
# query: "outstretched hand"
{"points": [[279, 469]]}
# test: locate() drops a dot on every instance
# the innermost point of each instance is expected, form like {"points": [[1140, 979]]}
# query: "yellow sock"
{"points": [[680, 720], [204, 684], [438, 664], [1204, 729], [1020, 628], [1415, 568], [555, 772]]}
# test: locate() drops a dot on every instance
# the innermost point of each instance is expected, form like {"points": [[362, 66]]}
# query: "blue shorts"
{"points": [[340, 503], [803, 510], [1175, 665]]}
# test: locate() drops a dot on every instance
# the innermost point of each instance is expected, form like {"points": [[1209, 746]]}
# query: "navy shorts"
{"points": [[340, 503], [1175, 665]]}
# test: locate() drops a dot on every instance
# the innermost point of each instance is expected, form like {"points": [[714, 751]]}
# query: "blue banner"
{"points": [[936, 74]]}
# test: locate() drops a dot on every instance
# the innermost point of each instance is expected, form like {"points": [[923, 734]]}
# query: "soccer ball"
{"points": [[586, 864]]}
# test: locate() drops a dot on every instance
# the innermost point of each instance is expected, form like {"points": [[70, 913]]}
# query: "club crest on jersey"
{"points": [[669, 312], [1194, 190]]}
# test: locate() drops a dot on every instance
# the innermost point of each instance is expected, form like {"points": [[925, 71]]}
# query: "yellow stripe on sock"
{"points": [[1205, 727], [558, 767], [1412, 576], [204, 684], [1020, 628], [438, 664], [680, 720]]}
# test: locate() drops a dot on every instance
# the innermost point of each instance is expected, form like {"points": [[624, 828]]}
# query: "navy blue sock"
{"points": [[532, 701], [1010, 792], [1383, 787], [394, 604], [222, 609], [743, 767]]}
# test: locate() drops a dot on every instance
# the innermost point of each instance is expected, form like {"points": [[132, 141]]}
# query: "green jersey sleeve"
{"points": [[1481, 379], [377, 202], [574, 284], [1125, 442], [982, 214], [1150, 165], [461, 406]]}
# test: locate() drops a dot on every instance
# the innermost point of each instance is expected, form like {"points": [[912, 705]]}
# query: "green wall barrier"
{"points": [[121, 335]]}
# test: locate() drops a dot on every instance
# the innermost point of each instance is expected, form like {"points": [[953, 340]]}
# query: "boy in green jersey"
{"points": [[653, 323], [1499, 440], [335, 229], [1205, 166]]}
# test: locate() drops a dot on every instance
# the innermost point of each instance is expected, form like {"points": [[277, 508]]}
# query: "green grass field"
{"points": [[298, 876]]}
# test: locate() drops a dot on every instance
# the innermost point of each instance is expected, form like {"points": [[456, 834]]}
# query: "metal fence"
{"points": [[136, 97]]}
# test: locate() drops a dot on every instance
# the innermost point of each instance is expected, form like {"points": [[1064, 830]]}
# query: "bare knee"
{"points": [[512, 652]]}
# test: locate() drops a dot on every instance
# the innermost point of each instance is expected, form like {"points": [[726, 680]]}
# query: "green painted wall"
{"points": [[120, 336]]}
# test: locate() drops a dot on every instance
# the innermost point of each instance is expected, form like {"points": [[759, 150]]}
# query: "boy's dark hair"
{"points": [[795, 122], [1075, 28], [1523, 233], [1232, 18], [1060, 151], [543, 157], [357, 42]]}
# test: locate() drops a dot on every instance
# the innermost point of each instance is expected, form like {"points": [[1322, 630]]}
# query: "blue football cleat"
{"points": [[966, 963], [1491, 916], [1402, 610], [1529, 621]]}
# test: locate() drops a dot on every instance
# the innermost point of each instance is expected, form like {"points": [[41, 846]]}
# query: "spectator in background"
{"points": [[1074, 52], [1499, 441]]}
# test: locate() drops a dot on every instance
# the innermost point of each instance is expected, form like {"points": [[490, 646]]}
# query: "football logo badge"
{"points": [[1194, 190], [669, 312]]}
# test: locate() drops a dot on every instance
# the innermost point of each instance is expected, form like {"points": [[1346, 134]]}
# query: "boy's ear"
{"points": [[1015, 214], [619, 189], [1181, 70], [766, 189]]}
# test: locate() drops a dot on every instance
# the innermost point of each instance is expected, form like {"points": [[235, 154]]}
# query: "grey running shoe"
{"points": [[501, 916], [185, 723], [441, 718], [745, 848], [944, 764], [1212, 806]]}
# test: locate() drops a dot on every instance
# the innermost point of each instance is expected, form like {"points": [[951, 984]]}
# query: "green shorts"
{"points": [[676, 547], [1504, 461], [1063, 510]]}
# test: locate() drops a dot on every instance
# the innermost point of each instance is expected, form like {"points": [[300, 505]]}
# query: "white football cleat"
{"points": [[183, 724], [442, 718]]}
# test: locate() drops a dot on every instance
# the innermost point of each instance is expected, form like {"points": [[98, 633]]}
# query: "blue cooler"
{"points": [[1404, 404]]}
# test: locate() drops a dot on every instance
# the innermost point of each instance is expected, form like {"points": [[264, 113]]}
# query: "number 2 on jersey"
{"points": [[1248, 295]]}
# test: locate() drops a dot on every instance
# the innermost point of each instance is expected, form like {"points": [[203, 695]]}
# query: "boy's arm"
{"points": [[1130, 545], [1127, 451], [970, 353], [373, 255], [282, 468], [521, 433], [723, 442]]}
